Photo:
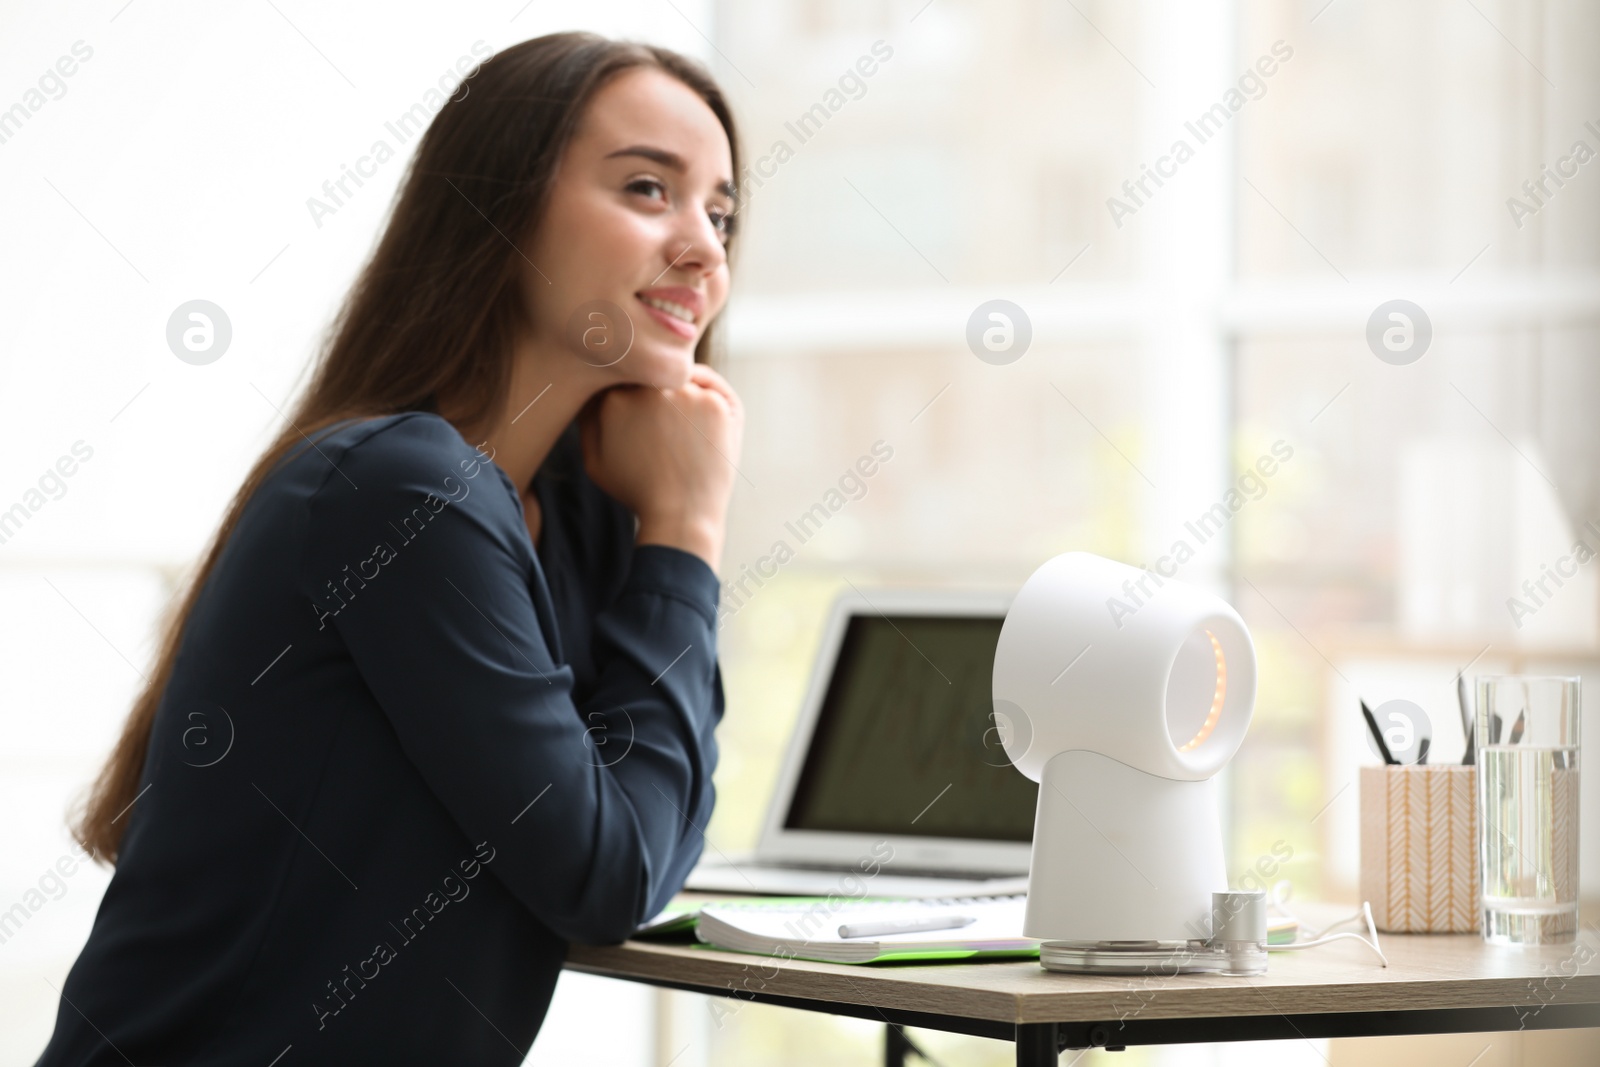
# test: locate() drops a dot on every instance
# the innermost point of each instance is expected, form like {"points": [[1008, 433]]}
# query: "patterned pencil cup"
{"points": [[1419, 847]]}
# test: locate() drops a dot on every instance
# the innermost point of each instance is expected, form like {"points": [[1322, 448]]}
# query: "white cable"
{"points": [[1314, 934], [1322, 937]]}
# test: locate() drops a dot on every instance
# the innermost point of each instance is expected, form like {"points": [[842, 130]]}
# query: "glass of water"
{"points": [[1527, 741]]}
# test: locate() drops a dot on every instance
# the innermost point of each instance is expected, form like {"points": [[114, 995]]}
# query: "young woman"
{"points": [[441, 697]]}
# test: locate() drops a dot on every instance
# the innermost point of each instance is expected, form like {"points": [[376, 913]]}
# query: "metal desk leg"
{"points": [[1037, 1045], [895, 1046]]}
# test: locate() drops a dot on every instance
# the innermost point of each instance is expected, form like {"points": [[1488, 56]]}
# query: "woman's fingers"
{"points": [[710, 384], [668, 455], [702, 375]]}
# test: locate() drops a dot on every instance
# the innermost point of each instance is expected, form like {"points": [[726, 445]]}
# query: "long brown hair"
{"points": [[430, 321]]}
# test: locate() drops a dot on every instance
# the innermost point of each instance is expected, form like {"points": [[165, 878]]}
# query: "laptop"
{"points": [[895, 776]]}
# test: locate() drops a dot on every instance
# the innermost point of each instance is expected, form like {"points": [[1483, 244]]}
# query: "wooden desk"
{"points": [[1438, 983]]}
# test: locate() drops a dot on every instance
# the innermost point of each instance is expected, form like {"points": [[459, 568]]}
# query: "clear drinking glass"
{"points": [[1527, 741]]}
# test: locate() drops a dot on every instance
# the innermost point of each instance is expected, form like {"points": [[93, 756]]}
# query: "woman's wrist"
{"points": [[700, 537]]}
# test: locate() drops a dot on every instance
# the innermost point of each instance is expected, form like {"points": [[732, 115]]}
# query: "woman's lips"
{"points": [[683, 329]]}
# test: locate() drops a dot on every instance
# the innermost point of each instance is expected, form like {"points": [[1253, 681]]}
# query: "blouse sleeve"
{"points": [[417, 556]]}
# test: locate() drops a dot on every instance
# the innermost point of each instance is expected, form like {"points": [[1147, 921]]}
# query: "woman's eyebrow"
{"points": [[667, 159]]}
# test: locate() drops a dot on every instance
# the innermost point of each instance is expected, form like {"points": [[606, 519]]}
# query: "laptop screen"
{"points": [[905, 742]]}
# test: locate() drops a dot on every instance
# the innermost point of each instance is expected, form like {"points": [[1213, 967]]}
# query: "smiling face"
{"points": [[638, 218]]}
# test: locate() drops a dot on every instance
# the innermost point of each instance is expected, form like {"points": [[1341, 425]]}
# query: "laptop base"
{"points": [[771, 880]]}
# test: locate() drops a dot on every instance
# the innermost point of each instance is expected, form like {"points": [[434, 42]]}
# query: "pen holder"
{"points": [[1419, 847]]}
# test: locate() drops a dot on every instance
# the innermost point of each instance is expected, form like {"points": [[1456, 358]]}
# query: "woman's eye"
{"points": [[647, 186], [656, 190]]}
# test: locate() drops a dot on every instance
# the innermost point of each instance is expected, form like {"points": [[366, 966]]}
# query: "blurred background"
{"points": [[1337, 155]]}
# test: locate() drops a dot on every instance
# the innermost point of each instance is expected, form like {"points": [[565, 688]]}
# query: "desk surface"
{"points": [[1426, 972]]}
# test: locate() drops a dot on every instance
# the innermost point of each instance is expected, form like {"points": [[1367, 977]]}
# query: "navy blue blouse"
{"points": [[403, 759]]}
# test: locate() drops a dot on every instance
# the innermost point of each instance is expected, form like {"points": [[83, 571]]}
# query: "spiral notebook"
{"points": [[809, 928]]}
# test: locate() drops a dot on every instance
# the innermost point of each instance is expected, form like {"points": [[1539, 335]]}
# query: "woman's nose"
{"points": [[694, 245]]}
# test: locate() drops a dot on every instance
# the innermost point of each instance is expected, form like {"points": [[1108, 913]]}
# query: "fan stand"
{"points": [[1128, 957]]}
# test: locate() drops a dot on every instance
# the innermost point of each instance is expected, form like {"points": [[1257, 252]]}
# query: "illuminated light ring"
{"points": [[1216, 699]]}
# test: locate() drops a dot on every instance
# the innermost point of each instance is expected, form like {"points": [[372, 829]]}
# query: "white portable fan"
{"points": [[1122, 694]]}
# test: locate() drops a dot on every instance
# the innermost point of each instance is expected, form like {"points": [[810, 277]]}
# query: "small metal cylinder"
{"points": [[1239, 931]]}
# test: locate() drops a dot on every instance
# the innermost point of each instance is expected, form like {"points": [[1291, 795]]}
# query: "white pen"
{"points": [[905, 926]]}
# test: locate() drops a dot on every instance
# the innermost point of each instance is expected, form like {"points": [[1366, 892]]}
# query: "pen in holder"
{"points": [[1419, 847]]}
